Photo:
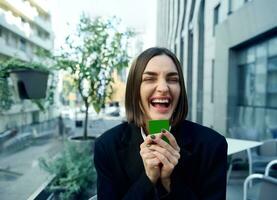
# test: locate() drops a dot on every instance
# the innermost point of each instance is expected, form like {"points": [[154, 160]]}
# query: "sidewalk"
{"points": [[27, 176], [21, 175]]}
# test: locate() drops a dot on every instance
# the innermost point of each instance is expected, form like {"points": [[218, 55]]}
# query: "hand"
{"points": [[150, 161], [168, 154]]}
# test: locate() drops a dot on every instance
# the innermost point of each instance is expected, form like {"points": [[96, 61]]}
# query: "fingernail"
{"points": [[163, 131], [152, 137], [148, 145]]}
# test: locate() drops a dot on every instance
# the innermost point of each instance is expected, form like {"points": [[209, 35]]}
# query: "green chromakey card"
{"points": [[156, 126]]}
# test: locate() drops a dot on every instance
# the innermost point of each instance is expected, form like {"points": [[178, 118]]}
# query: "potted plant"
{"points": [[75, 175], [90, 56], [30, 78]]}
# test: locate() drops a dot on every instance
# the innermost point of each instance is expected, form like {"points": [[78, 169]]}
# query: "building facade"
{"points": [[25, 29], [228, 50]]}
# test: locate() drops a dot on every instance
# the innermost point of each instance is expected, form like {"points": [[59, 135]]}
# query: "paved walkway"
{"points": [[25, 174], [21, 175]]}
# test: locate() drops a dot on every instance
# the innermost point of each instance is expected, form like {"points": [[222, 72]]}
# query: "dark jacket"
{"points": [[199, 174]]}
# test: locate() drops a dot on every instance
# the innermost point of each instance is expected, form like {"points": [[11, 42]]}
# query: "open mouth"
{"points": [[160, 102]]}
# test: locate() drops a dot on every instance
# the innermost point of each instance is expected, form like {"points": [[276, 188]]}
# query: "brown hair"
{"points": [[132, 96]]}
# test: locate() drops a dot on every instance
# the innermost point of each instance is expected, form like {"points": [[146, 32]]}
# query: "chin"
{"points": [[159, 117]]}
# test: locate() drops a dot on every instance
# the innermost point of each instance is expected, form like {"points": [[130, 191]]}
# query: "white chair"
{"points": [[267, 186], [261, 156]]}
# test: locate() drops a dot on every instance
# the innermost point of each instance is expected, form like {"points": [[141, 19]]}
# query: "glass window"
{"points": [[13, 41], [261, 50], [260, 90], [242, 57], [216, 17], [22, 44], [272, 99], [258, 76], [247, 84], [257, 88], [241, 88], [272, 47], [272, 64], [250, 55], [272, 82], [260, 66], [260, 82], [250, 84]]}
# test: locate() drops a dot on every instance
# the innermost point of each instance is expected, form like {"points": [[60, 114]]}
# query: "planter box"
{"points": [[29, 83]]}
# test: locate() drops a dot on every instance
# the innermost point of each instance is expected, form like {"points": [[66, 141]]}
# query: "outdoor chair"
{"points": [[262, 155], [93, 198], [265, 189], [258, 157], [241, 158]]}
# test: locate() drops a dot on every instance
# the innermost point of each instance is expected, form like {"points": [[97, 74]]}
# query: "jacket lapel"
{"points": [[182, 134], [129, 153]]}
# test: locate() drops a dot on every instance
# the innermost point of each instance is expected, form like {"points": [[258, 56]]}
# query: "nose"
{"points": [[162, 86]]}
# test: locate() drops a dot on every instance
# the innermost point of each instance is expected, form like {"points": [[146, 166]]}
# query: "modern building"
{"points": [[228, 50], [25, 28]]}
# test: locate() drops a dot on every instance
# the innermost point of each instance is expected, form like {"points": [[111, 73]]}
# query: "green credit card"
{"points": [[156, 126]]}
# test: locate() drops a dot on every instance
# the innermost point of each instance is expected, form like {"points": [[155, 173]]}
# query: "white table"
{"points": [[238, 145]]}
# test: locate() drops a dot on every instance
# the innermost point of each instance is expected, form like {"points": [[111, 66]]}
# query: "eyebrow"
{"points": [[155, 74]]}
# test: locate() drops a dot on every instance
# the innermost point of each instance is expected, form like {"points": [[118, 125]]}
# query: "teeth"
{"points": [[160, 101]]}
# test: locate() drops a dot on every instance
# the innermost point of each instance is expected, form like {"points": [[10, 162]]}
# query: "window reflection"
{"points": [[257, 87]]}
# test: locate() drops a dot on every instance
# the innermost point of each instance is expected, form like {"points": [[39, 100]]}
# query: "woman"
{"points": [[131, 164]]}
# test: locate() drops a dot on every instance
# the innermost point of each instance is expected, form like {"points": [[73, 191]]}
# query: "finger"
{"points": [[171, 156], [145, 150], [148, 156], [160, 142], [163, 151], [166, 163], [169, 153], [152, 163], [149, 139], [171, 139], [146, 143]]}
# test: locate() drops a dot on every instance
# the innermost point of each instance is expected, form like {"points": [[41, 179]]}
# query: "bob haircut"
{"points": [[133, 109]]}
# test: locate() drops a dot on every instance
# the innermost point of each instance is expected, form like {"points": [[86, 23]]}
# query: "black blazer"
{"points": [[199, 174]]}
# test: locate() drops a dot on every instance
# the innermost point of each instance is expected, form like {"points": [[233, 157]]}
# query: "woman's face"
{"points": [[160, 88]]}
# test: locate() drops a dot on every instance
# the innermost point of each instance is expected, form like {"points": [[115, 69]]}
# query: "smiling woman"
{"points": [[132, 164], [160, 88], [155, 71]]}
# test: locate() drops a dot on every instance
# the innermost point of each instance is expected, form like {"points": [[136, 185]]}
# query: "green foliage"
{"points": [[74, 170], [91, 55], [5, 95], [13, 64]]}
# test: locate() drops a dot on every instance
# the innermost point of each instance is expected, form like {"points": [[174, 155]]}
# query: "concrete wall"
{"points": [[239, 22], [247, 23]]}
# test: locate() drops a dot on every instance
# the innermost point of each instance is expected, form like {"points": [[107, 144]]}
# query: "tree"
{"points": [[91, 55]]}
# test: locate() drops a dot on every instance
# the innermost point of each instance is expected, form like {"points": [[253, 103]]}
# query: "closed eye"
{"points": [[148, 79], [173, 79]]}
